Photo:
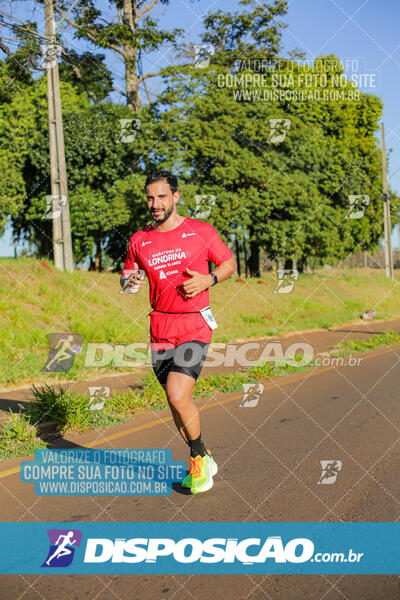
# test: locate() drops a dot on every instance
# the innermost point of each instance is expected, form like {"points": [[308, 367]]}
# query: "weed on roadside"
{"points": [[18, 437]]}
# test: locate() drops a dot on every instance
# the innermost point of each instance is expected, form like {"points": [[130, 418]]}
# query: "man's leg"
{"points": [[203, 467], [179, 389], [176, 417], [187, 361]]}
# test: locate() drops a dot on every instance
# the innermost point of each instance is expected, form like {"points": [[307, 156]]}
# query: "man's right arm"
{"points": [[130, 263]]}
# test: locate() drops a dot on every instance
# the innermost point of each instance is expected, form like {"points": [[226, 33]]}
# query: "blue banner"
{"points": [[200, 548]]}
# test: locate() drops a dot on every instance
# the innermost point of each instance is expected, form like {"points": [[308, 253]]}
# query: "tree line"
{"points": [[276, 148]]}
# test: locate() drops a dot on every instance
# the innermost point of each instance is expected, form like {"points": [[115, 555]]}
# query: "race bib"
{"points": [[209, 317]]}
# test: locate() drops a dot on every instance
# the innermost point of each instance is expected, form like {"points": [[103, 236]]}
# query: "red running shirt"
{"points": [[165, 255]]}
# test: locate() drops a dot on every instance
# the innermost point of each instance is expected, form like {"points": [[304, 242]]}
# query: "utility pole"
{"points": [[62, 244], [386, 212]]}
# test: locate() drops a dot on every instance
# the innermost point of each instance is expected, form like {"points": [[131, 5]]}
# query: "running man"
{"points": [[174, 252]]}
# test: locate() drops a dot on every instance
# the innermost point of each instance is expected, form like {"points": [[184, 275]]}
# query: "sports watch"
{"points": [[214, 278]]}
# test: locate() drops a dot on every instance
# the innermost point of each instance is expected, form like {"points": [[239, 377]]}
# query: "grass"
{"points": [[389, 338], [18, 437], [232, 382], [68, 411], [89, 304], [65, 412]]}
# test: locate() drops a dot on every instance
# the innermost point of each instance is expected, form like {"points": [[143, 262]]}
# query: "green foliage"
{"points": [[232, 382], [68, 411], [18, 437], [18, 428], [50, 404], [388, 338], [95, 160], [128, 31], [87, 72]]}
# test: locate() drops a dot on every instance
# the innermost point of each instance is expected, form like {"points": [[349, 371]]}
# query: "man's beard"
{"points": [[163, 218]]}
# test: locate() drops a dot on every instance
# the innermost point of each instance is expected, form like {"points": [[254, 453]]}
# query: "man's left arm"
{"points": [[200, 282], [224, 270], [218, 253]]}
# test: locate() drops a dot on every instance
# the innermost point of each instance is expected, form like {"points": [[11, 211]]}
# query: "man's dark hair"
{"points": [[171, 179]]}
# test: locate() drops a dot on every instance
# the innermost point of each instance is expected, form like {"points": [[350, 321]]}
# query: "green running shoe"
{"points": [[187, 482], [202, 475]]}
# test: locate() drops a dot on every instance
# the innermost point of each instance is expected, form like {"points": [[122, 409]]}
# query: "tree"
{"points": [[130, 35], [95, 161], [88, 73], [15, 126]]}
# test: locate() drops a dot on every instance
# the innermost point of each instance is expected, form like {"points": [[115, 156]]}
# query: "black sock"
{"points": [[197, 447]]}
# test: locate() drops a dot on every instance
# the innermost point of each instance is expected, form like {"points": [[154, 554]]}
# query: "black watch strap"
{"points": [[214, 278]]}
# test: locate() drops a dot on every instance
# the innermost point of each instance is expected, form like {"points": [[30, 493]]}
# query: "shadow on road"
{"points": [[177, 487], [7, 403]]}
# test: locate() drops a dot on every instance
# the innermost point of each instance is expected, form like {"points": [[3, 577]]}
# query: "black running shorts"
{"points": [[187, 358]]}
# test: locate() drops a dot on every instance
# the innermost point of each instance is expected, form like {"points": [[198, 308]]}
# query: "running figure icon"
{"points": [[62, 351], [63, 348], [62, 549]]}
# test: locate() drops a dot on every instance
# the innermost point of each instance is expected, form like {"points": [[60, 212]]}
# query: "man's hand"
{"points": [[198, 283], [134, 280]]}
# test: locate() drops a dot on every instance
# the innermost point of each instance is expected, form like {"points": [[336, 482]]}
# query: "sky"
{"points": [[362, 33]]}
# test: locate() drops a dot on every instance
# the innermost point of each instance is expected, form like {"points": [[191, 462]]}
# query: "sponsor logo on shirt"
{"points": [[144, 243], [187, 234], [164, 275]]}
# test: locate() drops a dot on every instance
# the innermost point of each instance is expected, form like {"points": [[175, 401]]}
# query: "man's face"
{"points": [[160, 200]]}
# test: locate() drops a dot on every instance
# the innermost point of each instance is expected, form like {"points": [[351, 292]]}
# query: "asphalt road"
{"points": [[269, 460]]}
